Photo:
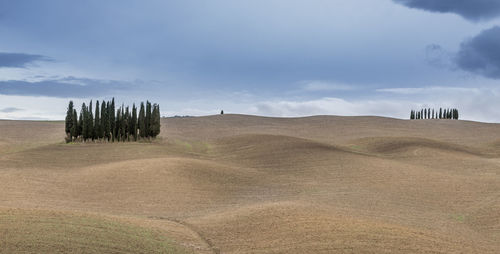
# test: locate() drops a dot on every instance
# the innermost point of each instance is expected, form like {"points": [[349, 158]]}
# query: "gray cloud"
{"points": [[481, 54], [19, 60], [64, 88], [10, 110], [474, 10]]}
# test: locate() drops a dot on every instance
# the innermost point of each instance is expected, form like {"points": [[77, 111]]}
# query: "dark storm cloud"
{"points": [[10, 110], [470, 9], [19, 60], [481, 54], [63, 88]]}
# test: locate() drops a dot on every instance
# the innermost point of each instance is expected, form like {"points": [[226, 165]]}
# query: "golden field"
{"points": [[248, 184]]}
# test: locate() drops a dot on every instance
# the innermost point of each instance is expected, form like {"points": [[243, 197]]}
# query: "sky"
{"points": [[263, 57]]}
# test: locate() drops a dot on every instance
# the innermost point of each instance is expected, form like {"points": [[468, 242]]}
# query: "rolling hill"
{"points": [[249, 184]]}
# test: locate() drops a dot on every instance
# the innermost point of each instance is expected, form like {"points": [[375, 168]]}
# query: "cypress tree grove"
{"points": [[429, 113], [125, 125]]}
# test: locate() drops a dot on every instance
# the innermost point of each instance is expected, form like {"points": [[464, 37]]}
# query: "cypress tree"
{"points": [[112, 120], [148, 119], [142, 121], [74, 128], [157, 120], [84, 124], [126, 121], [107, 129], [90, 122], [440, 113], [97, 123], [80, 123], [68, 123], [104, 111], [118, 124], [133, 125]]}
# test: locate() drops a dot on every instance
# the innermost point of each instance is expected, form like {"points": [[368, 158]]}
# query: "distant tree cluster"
{"points": [[427, 113], [108, 124]]}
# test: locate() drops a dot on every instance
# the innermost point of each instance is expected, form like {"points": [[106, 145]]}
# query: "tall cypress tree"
{"points": [[112, 119], [90, 122], [104, 111], [133, 125], [74, 128], [97, 122], [68, 124], [148, 119], [155, 122], [118, 124], [85, 121], [142, 121], [80, 123], [108, 122], [126, 122]]}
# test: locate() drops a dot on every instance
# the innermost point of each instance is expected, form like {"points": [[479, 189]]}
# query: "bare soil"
{"points": [[248, 184]]}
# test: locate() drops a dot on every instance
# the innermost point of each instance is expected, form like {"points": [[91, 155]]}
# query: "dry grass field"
{"points": [[248, 184]]}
